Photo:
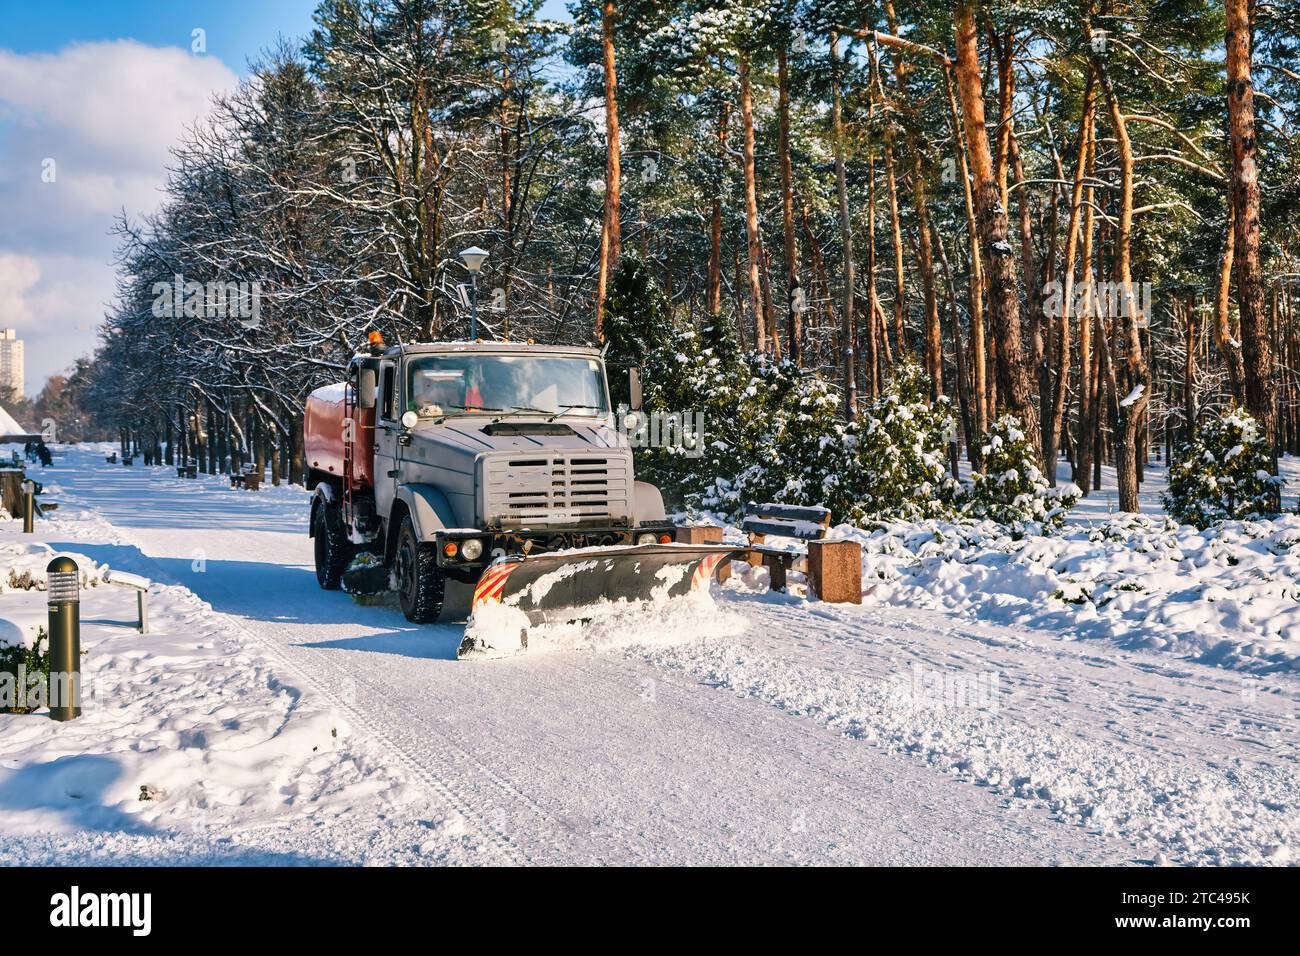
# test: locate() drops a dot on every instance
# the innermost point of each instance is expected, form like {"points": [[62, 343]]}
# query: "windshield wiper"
{"points": [[566, 408], [478, 408], [522, 408]]}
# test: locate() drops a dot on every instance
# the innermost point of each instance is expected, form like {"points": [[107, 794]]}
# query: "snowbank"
{"points": [[1228, 596], [23, 563]]}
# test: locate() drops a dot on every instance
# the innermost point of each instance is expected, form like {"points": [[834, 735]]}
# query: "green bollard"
{"points": [[63, 583], [29, 504]]}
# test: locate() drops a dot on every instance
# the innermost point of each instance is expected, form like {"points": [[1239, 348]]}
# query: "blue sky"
{"points": [[236, 29], [92, 96]]}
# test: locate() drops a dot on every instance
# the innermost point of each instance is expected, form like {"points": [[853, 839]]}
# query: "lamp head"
{"points": [[473, 257]]}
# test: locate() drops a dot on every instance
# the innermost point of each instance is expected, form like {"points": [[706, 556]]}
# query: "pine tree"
{"points": [[1224, 473], [1010, 489], [900, 471]]}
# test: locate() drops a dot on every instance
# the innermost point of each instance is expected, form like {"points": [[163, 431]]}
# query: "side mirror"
{"points": [[634, 388], [366, 387]]}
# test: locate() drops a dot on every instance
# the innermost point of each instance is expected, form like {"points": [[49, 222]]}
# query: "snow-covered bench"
{"points": [[249, 478], [833, 568], [141, 586], [783, 521]]}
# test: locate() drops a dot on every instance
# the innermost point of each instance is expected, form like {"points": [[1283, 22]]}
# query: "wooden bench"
{"points": [[783, 521], [187, 471], [833, 568], [128, 459], [111, 459], [250, 479]]}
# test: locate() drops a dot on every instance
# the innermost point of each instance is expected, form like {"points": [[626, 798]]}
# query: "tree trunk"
{"points": [[793, 290], [975, 288], [610, 232], [846, 237], [896, 235], [1189, 371], [1259, 387], [875, 325], [1056, 418], [714, 294], [1131, 407], [1229, 346], [1004, 301], [959, 352], [763, 322], [1087, 364]]}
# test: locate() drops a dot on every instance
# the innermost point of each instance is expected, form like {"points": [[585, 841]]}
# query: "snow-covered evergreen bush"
{"points": [[899, 470], [1224, 473], [1010, 489], [20, 662], [780, 439]]}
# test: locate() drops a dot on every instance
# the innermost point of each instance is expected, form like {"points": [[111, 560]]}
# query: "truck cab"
{"points": [[439, 458]]}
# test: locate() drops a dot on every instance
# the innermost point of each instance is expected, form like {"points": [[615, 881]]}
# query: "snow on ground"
{"points": [[1190, 768], [193, 746], [1227, 596], [752, 728]]}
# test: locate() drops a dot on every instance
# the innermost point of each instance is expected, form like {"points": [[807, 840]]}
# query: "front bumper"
{"points": [[537, 541]]}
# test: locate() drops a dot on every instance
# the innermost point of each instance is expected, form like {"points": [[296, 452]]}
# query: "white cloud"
{"points": [[123, 101], [17, 276], [107, 114]]}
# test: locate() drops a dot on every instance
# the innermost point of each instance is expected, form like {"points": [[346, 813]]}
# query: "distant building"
{"points": [[11, 365]]}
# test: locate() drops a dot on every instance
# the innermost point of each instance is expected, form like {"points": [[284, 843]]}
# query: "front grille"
{"points": [[554, 489]]}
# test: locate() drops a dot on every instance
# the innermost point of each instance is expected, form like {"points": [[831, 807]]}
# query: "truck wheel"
{"points": [[420, 582], [333, 550]]}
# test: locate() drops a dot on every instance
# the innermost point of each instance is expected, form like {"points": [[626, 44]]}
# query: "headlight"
{"points": [[647, 538], [472, 549]]}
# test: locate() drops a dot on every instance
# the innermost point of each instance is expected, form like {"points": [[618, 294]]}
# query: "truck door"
{"points": [[387, 427]]}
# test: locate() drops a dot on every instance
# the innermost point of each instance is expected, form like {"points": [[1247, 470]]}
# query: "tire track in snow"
{"points": [[506, 848]]}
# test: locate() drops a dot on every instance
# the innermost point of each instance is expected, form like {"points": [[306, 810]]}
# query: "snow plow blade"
{"points": [[565, 586]]}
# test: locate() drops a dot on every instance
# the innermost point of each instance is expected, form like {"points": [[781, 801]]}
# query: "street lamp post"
{"points": [[29, 504], [62, 587], [473, 258]]}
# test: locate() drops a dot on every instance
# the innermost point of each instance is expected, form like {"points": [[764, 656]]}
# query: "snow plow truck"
{"points": [[480, 472]]}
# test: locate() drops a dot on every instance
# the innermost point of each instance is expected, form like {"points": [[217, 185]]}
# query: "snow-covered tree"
{"points": [[1010, 489], [900, 468], [1223, 473]]}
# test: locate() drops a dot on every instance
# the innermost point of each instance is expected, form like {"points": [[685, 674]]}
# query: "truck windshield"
{"points": [[444, 386]]}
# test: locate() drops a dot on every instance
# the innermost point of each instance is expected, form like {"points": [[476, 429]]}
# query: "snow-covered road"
{"points": [[768, 730]]}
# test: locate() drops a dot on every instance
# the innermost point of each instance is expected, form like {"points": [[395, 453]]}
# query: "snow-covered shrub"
{"points": [[1010, 489], [1223, 473], [787, 443], [683, 372], [899, 470], [770, 429], [780, 439], [19, 663]]}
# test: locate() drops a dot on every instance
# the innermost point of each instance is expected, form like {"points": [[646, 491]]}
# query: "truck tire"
{"points": [[332, 548], [420, 582]]}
